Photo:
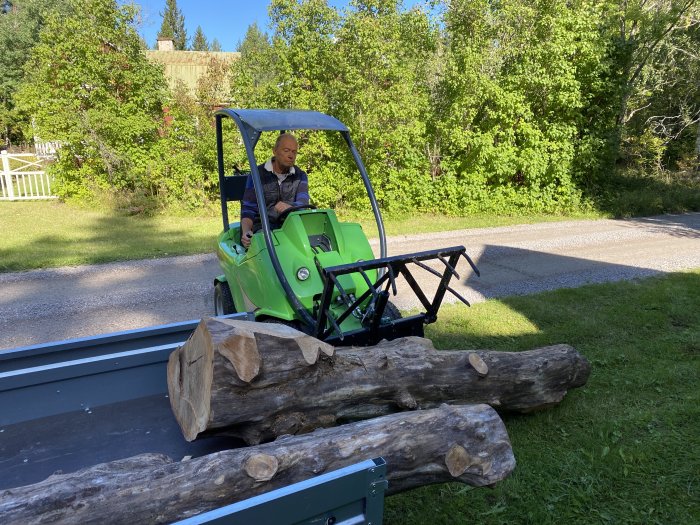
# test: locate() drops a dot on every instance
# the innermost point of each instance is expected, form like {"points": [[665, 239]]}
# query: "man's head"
{"points": [[285, 151]]}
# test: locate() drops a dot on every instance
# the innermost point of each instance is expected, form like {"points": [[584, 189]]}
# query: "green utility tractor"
{"points": [[314, 272]]}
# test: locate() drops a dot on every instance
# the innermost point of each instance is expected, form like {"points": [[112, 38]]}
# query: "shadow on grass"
{"points": [[105, 239], [53, 304]]}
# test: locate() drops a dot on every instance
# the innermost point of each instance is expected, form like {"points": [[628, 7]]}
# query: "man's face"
{"points": [[286, 153]]}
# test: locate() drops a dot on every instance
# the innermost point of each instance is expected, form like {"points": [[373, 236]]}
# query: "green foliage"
{"points": [[386, 106], [20, 24], [510, 101], [253, 76], [173, 25], [199, 43], [89, 86], [457, 107], [176, 173], [504, 107], [656, 69]]}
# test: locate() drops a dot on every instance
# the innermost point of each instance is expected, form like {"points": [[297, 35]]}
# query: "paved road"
{"points": [[46, 305]]}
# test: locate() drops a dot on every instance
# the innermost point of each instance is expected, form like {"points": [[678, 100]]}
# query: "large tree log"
{"points": [[292, 393], [450, 443], [223, 350]]}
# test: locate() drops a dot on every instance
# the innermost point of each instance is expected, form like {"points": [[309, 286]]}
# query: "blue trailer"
{"points": [[72, 404]]}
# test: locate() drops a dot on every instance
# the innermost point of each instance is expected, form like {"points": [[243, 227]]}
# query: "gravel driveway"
{"points": [[47, 305]]}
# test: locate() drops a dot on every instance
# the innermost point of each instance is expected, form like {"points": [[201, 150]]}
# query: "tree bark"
{"points": [[464, 443], [292, 394]]}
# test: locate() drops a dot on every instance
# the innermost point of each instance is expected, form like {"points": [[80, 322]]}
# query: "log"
{"points": [[292, 395], [221, 351], [466, 443]]}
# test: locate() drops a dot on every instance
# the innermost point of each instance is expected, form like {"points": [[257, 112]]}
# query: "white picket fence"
{"points": [[27, 180]]}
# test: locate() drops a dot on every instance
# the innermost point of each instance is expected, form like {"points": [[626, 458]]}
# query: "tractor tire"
{"points": [[223, 301], [392, 312]]}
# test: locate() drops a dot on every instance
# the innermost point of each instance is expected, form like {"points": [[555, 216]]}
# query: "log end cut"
{"points": [[222, 354], [189, 382]]}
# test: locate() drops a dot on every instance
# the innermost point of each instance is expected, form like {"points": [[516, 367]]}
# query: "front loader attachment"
{"points": [[370, 306]]}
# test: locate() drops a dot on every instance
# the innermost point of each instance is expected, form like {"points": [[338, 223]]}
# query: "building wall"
{"points": [[187, 66]]}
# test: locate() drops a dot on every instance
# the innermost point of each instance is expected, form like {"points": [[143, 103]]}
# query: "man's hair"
{"points": [[282, 136]]}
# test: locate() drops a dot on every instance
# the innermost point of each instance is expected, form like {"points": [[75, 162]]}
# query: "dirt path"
{"points": [[47, 305]]}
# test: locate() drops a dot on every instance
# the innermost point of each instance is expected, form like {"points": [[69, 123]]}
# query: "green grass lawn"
{"points": [[49, 234], [624, 449]]}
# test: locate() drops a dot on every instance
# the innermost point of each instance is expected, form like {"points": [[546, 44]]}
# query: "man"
{"points": [[284, 186]]}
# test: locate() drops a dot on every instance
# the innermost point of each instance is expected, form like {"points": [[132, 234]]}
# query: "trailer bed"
{"points": [[32, 450], [77, 403]]}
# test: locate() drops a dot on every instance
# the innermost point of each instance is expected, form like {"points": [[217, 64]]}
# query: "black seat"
{"points": [[234, 186]]}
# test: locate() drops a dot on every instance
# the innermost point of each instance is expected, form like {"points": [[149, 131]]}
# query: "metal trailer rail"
{"points": [[72, 404], [348, 496]]}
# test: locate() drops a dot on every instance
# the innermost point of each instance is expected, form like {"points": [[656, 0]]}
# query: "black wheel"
{"points": [[392, 312], [223, 302]]}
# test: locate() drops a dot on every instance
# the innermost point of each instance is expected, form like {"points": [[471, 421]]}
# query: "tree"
{"points": [[89, 86], [509, 110], [253, 76], [659, 95], [215, 45], [199, 43], [173, 25], [303, 64], [20, 24], [381, 90]]}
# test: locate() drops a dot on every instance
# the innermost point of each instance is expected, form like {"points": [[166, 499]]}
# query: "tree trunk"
{"points": [[292, 393], [465, 443]]}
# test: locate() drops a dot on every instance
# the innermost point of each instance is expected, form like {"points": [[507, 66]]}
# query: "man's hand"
{"points": [[246, 232], [281, 206], [245, 239]]}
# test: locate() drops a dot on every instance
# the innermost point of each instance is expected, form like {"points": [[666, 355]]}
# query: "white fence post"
{"points": [[7, 174]]}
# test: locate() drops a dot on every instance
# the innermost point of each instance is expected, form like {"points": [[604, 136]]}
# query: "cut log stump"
{"points": [[450, 443], [259, 381]]}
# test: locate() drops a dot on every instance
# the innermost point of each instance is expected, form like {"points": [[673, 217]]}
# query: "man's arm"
{"points": [[246, 231], [302, 196]]}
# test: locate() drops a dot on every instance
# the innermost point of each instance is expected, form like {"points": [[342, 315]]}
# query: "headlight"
{"points": [[303, 273]]}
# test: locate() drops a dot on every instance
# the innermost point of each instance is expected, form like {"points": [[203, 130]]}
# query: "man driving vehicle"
{"points": [[284, 185]]}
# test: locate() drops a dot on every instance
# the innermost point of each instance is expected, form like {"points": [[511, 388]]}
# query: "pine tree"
{"points": [[215, 45], [173, 25], [200, 41]]}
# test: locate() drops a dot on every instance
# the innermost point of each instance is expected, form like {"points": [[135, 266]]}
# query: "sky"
{"points": [[227, 21]]}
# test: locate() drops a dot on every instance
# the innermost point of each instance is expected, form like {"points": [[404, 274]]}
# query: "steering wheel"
{"points": [[282, 216]]}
